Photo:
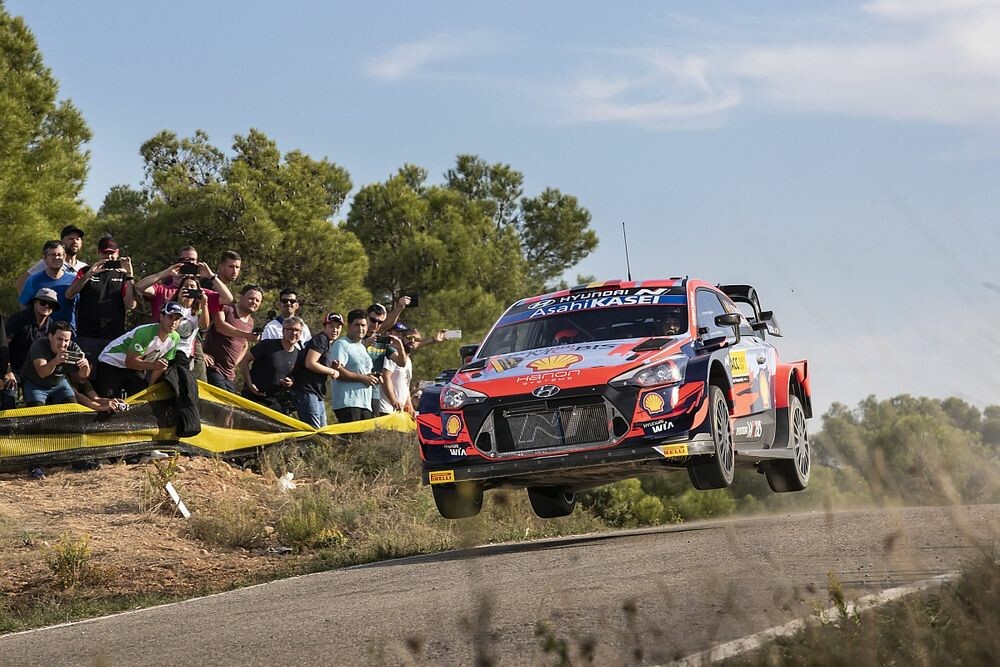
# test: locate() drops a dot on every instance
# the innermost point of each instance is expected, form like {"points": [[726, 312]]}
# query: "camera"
{"points": [[72, 356], [195, 294], [190, 269], [112, 264], [382, 339]]}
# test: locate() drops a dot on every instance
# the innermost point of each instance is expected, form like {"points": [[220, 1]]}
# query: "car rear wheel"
{"points": [[458, 500], [716, 472], [550, 502], [792, 474]]}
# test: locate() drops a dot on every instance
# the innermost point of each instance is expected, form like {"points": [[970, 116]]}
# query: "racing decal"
{"points": [[749, 429], [765, 389], [441, 476], [624, 299], [545, 391], [556, 362], [452, 426], [456, 450], [501, 364], [670, 451], [549, 377], [653, 403], [738, 366], [658, 427]]}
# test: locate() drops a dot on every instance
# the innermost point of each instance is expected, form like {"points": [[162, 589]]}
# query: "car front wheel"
{"points": [[716, 471], [458, 500]]}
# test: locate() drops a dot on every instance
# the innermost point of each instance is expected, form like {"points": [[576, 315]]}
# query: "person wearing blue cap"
{"points": [[139, 358]]}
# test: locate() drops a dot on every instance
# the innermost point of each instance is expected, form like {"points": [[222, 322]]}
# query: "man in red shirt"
{"points": [[229, 338]]}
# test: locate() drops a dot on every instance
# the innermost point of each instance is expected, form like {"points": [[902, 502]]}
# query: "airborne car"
{"points": [[606, 381]]}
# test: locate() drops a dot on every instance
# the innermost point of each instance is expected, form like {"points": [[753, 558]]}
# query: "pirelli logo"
{"points": [[441, 476], [670, 451]]}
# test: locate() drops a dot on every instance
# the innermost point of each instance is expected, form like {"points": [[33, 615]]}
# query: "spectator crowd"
{"points": [[81, 337]]}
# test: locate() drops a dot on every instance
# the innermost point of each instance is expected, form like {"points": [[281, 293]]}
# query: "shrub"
{"points": [[70, 563], [231, 524]]}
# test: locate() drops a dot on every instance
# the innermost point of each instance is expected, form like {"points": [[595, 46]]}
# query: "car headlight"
{"points": [[453, 398], [670, 371]]}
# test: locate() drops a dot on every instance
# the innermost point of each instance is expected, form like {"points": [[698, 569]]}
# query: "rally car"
{"points": [[606, 381]]}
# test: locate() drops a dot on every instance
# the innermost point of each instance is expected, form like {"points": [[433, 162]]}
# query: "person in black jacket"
{"points": [[21, 330]]}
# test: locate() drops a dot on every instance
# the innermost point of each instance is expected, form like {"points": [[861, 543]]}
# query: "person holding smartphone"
{"points": [[194, 302], [161, 287], [107, 293], [50, 361]]}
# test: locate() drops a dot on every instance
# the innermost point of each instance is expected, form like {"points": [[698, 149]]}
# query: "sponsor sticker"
{"points": [[749, 429], [657, 427], [670, 451], [738, 366], [505, 363], [452, 425], [441, 476], [653, 403], [556, 362], [550, 377]]}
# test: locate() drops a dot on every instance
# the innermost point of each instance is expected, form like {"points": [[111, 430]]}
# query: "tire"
{"points": [[550, 502], [792, 474], [459, 500], [716, 472]]}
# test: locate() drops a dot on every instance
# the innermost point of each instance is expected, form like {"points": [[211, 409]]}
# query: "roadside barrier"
{"points": [[230, 425]]}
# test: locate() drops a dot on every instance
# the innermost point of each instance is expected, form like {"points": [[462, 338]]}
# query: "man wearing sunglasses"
{"points": [[288, 305], [22, 329]]}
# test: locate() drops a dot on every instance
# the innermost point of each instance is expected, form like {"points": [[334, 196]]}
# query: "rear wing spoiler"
{"points": [[762, 320]]}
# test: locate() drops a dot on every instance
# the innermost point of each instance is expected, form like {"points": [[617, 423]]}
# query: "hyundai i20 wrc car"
{"points": [[606, 381]]}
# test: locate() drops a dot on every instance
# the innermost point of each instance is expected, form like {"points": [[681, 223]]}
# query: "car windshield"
{"points": [[585, 326]]}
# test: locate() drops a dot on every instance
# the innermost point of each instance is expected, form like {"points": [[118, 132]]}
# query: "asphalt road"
{"points": [[648, 595]]}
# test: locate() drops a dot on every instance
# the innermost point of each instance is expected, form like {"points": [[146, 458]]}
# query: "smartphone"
{"points": [[382, 339], [452, 334], [72, 356], [193, 293], [190, 269], [414, 299], [113, 264]]}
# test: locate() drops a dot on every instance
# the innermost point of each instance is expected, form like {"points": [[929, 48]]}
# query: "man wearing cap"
{"points": [[139, 358], [56, 278], [312, 370], [72, 239], [288, 302], [107, 293], [22, 329]]}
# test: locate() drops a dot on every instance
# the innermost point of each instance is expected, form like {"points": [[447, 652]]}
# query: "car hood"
{"points": [[568, 366]]}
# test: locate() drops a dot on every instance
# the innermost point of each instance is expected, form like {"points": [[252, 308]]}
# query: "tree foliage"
{"points": [[43, 162], [276, 210]]}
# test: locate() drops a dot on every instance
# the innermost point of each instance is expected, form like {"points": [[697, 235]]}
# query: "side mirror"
{"points": [[730, 320]]}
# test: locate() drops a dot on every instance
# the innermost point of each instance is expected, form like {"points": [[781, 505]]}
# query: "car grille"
{"points": [[546, 425]]}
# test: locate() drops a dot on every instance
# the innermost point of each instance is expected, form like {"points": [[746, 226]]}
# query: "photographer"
{"points": [[107, 293], [161, 287], [194, 302], [49, 362]]}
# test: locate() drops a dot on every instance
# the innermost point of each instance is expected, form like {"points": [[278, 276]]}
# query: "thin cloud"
{"points": [[942, 64], [406, 60], [657, 90]]}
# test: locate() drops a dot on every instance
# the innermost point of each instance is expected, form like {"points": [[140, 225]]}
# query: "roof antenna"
{"points": [[628, 267]]}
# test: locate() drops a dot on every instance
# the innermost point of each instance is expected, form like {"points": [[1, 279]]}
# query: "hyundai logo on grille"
{"points": [[546, 391]]}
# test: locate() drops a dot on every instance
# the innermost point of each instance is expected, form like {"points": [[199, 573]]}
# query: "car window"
{"points": [[709, 306]]}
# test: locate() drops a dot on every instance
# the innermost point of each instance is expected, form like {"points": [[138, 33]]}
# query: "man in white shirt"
{"points": [[288, 301]]}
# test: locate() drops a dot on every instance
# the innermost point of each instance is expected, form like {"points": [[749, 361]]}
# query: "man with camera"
{"points": [[107, 293], [50, 360], [161, 287]]}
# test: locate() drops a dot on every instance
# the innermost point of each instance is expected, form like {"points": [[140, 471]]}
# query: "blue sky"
{"points": [[843, 157]]}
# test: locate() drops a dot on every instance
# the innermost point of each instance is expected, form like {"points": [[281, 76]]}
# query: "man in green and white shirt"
{"points": [[139, 358]]}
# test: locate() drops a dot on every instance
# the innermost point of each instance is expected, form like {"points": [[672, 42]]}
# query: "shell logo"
{"points": [[556, 362], [653, 403], [453, 425]]}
